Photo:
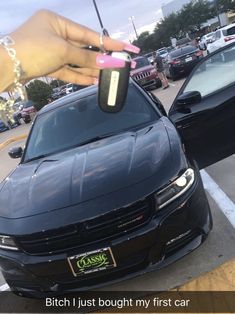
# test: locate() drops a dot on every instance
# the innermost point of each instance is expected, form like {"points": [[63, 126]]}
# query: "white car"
{"points": [[222, 37], [205, 40]]}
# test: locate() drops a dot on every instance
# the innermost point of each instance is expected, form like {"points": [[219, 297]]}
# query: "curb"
{"points": [[12, 140]]}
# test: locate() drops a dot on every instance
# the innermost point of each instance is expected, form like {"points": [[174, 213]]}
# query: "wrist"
{"points": [[7, 70]]}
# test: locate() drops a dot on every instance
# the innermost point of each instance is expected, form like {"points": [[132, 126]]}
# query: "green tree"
{"points": [[57, 83], [225, 5], [39, 92]]}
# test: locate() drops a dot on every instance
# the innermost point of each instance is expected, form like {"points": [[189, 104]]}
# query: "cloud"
{"points": [[117, 35]]}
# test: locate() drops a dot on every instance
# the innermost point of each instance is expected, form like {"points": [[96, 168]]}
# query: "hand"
{"points": [[47, 43]]}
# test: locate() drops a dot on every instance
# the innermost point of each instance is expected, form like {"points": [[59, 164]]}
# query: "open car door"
{"points": [[204, 109]]}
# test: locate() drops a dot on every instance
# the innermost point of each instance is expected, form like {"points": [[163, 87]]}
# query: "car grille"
{"points": [[142, 75], [106, 226]]}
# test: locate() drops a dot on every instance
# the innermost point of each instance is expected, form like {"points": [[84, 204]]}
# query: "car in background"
{"points": [[145, 73], [221, 38], [181, 61], [70, 88], [27, 111], [149, 56], [183, 42], [3, 126], [163, 52], [205, 40]]}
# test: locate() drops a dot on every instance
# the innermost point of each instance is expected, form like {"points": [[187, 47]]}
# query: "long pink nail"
{"points": [[106, 61], [133, 64], [131, 48]]}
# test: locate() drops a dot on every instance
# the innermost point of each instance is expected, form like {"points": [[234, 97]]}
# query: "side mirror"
{"points": [[15, 152], [189, 98]]}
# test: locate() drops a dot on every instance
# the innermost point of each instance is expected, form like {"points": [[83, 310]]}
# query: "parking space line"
{"points": [[220, 197], [4, 287]]}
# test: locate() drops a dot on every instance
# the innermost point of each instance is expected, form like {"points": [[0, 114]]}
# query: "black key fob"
{"points": [[113, 85]]}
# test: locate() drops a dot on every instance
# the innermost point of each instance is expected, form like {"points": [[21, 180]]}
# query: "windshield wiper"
{"points": [[37, 157]]}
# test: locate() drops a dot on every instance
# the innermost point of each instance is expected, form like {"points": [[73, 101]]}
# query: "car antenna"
{"points": [[104, 30]]}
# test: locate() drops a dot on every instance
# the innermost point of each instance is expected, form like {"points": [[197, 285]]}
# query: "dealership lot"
{"points": [[218, 248]]}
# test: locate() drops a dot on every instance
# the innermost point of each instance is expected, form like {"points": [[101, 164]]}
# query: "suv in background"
{"points": [[222, 37], [205, 40], [145, 74], [27, 111]]}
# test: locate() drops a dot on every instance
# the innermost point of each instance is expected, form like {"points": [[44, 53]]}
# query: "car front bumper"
{"points": [[172, 233]]}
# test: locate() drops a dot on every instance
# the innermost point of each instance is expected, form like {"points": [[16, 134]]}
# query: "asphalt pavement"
{"points": [[218, 248]]}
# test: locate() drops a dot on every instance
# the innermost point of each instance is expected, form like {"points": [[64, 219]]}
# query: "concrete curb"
{"points": [[12, 140]]}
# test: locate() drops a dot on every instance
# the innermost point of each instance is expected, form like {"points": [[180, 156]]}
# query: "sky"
{"points": [[115, 14]]}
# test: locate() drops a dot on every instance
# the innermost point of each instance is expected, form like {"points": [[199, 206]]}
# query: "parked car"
{"points": [[145, 73], [205, 40], [221, 38], [3, 126], [27, 111], [104, 197], [163, 52], [181, 61], [149, 56], [70, 88]]}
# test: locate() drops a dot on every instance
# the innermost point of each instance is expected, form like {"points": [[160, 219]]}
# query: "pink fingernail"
{"points": [[106, 61], [131, 48], [133, 64]]}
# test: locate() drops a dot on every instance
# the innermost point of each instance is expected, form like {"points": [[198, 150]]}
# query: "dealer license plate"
{"points": [[91, 262], [188, 59]]}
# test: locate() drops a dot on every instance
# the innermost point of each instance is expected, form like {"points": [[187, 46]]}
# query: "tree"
{"points": [[39, 92], [225, 5], [57, 83]]}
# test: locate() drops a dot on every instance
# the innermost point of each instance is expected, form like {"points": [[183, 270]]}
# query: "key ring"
{"points": [[102, 43]]}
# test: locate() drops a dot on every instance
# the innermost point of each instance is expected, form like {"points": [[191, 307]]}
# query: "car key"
{"points": [[113, 85]]}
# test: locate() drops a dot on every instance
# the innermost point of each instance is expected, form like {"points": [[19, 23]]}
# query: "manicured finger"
{"points": [[90, 59], [86, 71], [68, 75]]}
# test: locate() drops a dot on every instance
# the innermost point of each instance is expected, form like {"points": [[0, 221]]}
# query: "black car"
{"points": [[181, 61], [100, 197], [3, 126]]}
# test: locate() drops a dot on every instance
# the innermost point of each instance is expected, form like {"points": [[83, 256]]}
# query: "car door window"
{"points": [[215, 73]]}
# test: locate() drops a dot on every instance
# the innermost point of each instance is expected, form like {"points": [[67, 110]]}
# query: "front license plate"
{"points": [[91, 262], [188, 59]]}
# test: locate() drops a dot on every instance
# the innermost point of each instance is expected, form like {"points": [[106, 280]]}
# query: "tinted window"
{"points": [[73, 124], [182, 51], [141, 62], [218, 35], [210, 76], [229, 31]]}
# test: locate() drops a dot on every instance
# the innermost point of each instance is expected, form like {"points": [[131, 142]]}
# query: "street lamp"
{"points": [[132, 21]]}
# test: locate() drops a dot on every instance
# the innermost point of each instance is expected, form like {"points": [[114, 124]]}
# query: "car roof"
{"points": [[85, 92], [227, 26]]}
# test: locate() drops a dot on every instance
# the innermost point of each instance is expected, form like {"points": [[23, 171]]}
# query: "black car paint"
{"points": [[173, 71], [148, 160]]}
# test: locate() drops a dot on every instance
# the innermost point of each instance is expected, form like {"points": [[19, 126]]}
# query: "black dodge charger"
{"points": [[100, 197]]}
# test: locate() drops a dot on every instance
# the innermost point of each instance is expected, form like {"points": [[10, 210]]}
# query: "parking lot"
{"points": [[220, 245]]}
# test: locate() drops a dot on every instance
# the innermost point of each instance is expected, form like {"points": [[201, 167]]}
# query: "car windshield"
{"points": [[162, 52], [141, 62], [75, 124], [182, 51]]}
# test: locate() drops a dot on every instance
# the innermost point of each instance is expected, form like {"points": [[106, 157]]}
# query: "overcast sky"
{"points": [[115, 14]]}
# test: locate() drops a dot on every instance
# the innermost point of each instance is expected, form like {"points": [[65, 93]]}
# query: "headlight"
{"points": [[175, 189], [7, 243]]}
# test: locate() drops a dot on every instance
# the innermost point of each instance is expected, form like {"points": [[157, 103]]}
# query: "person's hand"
{"points": [[47, 43]]}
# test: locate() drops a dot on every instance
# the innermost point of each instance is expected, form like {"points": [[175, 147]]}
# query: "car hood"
{"points": [[143, 69], [89, 172]]}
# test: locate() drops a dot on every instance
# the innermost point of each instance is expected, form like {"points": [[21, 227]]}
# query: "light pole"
{"points": [[217, 11], [132, 21]]}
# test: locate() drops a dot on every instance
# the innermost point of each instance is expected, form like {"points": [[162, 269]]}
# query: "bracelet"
{"points": [[19, 88]]}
